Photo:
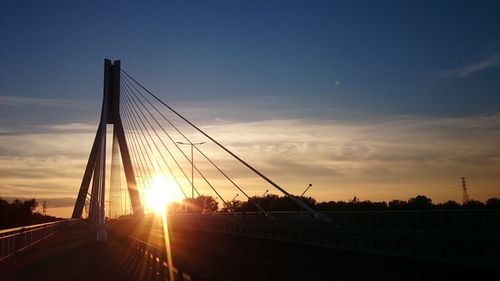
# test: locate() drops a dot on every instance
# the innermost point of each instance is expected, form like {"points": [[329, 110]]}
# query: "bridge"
{"points": [[121, 228]]}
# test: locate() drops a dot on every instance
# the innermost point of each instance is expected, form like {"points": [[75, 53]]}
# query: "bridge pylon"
{"points": [[95, 170]]}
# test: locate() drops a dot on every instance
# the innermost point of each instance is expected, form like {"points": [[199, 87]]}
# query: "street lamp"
{"points": [[302, 195], [264, 193], [258, 202], [231, 203], [306, 190], [192, 163]]}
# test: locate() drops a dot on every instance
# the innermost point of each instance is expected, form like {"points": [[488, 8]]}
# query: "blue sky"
{"points": [[250, 61], [387, 55]]}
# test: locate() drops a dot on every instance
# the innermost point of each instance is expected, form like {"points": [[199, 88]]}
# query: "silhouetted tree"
{"points": [[191, 205], [421, 202], [20, 213], [473, 204], [209, 204], [368, 205], [273, 202], [449, 205], [235, 205], [493, 203], [397, 204], [201, 204], [309, 201], [175, 207]]}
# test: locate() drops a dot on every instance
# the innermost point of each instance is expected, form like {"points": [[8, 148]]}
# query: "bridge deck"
{"points": [[71, 254], [230, 257]]}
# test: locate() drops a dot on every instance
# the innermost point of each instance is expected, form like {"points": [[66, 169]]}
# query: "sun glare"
{"points": [[159, 194]]}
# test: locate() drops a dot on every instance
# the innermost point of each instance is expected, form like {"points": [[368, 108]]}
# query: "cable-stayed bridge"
{"points": [[158, 156]]}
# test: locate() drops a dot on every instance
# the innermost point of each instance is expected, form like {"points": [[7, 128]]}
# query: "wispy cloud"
{"points": [[69, 127], [377, 159], [471, 68], [370, 157], [44, 102], [51, 202]]}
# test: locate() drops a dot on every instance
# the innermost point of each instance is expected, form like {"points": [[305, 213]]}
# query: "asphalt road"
{"points": [[69, 255]]}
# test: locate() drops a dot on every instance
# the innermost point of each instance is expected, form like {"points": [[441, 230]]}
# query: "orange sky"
{"points": [[385, 100], [380, 159]]}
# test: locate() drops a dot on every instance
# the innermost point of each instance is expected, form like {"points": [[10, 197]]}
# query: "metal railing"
{"points": [[14, 240], [475, 244], [153, 262], [471, 219]]}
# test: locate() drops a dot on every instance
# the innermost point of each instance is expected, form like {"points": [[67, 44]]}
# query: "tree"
{"points": [[421, 202], [209, 204], [369, 205], [449, 205], [473, 204], [192, 205], [493, 203], [19, 213], [309, 201], [397, 204], [175, 207], [201, 204]]}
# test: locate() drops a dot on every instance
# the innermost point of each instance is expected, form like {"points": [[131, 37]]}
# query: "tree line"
{"points": [[20, 213], [272, 202]]}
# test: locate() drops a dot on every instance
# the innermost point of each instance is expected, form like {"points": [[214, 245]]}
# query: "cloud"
{"points": [[380, 158], [471, 68], [69, 127], [51, 202], [377, 159], [45, 102]]}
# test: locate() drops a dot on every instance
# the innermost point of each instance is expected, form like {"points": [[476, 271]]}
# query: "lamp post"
{"points": [[258, 202], [264, 193], [302, 195], [306, 190], [231, 203], [192, 163]]}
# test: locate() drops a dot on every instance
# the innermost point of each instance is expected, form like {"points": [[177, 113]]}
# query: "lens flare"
{"points": [[159, 194]]}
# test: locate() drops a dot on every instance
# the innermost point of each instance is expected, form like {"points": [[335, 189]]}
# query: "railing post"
{"points": [[14, 240], [161, 271], [180, 275]]}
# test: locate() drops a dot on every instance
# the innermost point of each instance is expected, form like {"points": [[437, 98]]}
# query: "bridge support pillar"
{"points": [[96, 165]]}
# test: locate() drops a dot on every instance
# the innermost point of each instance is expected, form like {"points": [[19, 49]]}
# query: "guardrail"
{"points": [[153, 261], [472, 219], [474, 246], [14, 240]]}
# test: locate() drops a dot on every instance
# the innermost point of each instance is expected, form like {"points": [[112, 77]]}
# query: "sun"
{"points": [[159, 194]]}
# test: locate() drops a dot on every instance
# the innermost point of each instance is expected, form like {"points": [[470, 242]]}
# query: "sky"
{"points": [[376, 99]]}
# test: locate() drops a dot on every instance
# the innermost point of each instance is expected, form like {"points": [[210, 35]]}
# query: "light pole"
{"points": [[258, 202], [302, 195], [264, 193], [231, 203], [192, 163], [306, 190]]}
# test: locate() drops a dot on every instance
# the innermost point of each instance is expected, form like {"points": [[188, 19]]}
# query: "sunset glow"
{"points": [[379, 107], [159, 194]]}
